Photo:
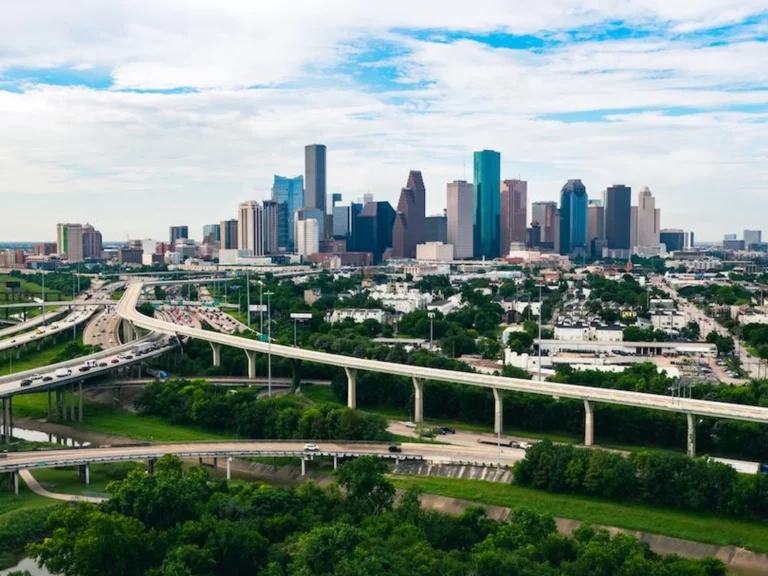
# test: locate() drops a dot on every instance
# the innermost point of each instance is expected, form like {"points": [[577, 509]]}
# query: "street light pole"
{"points": [[269, 345], [541, 313], [261, 307], [43, 275], [431, 328], [248, 291]]}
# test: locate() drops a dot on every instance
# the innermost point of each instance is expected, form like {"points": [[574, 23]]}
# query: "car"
{"points": [[446, 430], [525, 445], [114, 361], [410, 425], [395, 448], [47, 378], [36, 377], [26, 382], [311, 447], [514, 444], [763, 468], [83, 368], [102, 364]]}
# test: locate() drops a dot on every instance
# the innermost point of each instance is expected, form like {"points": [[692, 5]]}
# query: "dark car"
{"points": [[763, 468], [26, 382], [84, 368], [446, 430], [102, 364], [47, 378], [395, 448], [114, 361]]}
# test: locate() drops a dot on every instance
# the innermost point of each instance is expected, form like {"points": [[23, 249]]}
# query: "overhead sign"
{"points": [[258, 307], [301, 316]]}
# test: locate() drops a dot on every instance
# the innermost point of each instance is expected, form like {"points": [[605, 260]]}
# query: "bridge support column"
{"points": [[4, 429], [84, 471], [418, 400], [10, 418], [215, 463], [303, 466], [351, 387], [251, 355], [216, 353], [49, 405], [80, 391], [498, 411], [335, 462], [229, 468], [72, 402], [13, 479], [691, 435], [589, 423], [151, 466], [63, 394]]}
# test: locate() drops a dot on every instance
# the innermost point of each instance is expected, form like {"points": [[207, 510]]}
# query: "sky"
{"points": [[135, 115]]}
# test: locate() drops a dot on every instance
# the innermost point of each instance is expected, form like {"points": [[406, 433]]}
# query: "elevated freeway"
{"points": [[693, 409]]}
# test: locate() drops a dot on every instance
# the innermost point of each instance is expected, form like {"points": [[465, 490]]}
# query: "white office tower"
{"points": [[647, 224], [307, 234], [250, 228], [460, 213]]}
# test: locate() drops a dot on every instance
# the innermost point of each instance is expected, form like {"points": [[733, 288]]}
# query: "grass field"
{"points": [[27, 286], [34, 358], [21, 517], [67, 480], [689, 526]]}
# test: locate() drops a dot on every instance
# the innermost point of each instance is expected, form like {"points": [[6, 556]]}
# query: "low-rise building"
{"points": [[667, 320], [434, 251], [359, 315], [446, 306]]}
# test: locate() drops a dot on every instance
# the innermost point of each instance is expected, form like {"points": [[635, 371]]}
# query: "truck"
{"points": [[91, 363], [62, 372], [158, 374], [143, 348]]}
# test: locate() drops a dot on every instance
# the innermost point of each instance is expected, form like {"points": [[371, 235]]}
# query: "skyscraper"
{"points": [[618, 213], [270, 226], [487, 171], [573, 217], [69, 240], [307, 236], [250, 228], [460, 219], [228, 234], [514, 213], [177, 232], [408, 229], [314, 175], [373, 229], [289, 194], [752, 237], [595, 221], [647, 223], [92, 242], [544, 214], [436, 229], [214, 229], [341, 227]]}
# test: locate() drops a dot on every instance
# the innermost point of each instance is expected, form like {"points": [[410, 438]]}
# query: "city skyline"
{"points": [[642, 93]]}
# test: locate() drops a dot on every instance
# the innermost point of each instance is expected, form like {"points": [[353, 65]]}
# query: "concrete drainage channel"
{"points": [[469, 471]]}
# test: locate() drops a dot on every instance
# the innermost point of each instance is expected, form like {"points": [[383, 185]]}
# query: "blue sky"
{"points": [[191, 108]]}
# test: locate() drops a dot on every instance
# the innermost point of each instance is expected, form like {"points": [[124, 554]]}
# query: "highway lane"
{"points": [[50, 316], [126, 309], [78, 316], [103, 330]]}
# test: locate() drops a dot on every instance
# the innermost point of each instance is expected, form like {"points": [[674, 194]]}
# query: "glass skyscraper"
{"points": [[573, 216], [289, 194], [487, 204]]}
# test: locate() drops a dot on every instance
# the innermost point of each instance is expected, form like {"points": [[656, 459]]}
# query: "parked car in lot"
{"points": [[311, 447]]}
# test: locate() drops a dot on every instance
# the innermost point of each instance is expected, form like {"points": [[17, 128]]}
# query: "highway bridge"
{"points": [[93, 303], [693, 409]]}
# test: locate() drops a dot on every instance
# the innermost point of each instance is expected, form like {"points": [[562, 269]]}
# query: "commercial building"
{"points": [[513, 213], [130, 255], [544, 214], [373, 229], [186, 248], [618, 217], [408, 229], [250, 227], [434, 251], [228, 234], [595, 221], [307, 235], [177, 232], [668, 320], [647, 219], [573, 217], [436, 229], [735, 245], [314, 177], [752, 237], [341, 222], [289, 194], [44, 248], [460, 218], [92, 243], [270, 215], [213, 231], [69, 241], [487, 172], [359, 315], [673, 239]]}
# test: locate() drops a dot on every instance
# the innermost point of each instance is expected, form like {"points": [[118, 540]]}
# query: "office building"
{"points": [[533, 235], [289, 194], [647, 219], [92, 243], [673, 238], [228, 232], [44, 248], [130, 255], [373, 229], [270, 225], [573, 217], [460, 218], [487, 172], [335, 199], [434, 251], [436, 229], [544, 214], [177, 232], [250, 228], [752, 237], [341, 224], [730, 236], [69, 241], [212, 232], [618, 217], [514, 213], [307, 235], [408, 230], [306, 213], [185, 248], [734, 245], [314, 177], [365, 198]]}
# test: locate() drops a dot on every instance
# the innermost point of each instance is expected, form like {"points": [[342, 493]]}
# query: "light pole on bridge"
{"points": [[269, 343]]}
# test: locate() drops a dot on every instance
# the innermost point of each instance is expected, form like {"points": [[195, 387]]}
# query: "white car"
{"points": [[36, 377], [410, 425], [311, 448]]}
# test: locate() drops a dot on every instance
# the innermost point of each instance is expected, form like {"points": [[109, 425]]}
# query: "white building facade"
{"points": [[460, 213]]}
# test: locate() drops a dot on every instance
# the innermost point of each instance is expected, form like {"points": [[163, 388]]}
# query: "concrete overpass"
{"points": [[96, 303], [126, 308]]}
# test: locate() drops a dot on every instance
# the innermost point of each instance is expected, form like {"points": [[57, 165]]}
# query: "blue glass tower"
{"points": [[573, 217], [289, 194], [487, 204]]}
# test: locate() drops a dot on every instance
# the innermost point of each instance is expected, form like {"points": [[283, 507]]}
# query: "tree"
{"points": [[147, 309], [368, 492]]}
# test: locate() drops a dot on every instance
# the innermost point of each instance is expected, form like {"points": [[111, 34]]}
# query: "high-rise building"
{"points": [[673, 238], [730, 237], [270, 225], [289, 194], [365, 198], [647, 219], [373, 229], [92, 243], [544, 214], [533, 235], [341, 224], [44, 248], [487, 172], [314, 177], [335, 199], [228, 234], [408, 230], [177, 232], [514, 213], [460, 218], [250, 228], [618, 217], [212, 229], [595, 221], [436, 229], [69, 240], [752, 237], [573, 217], [307, 236]]}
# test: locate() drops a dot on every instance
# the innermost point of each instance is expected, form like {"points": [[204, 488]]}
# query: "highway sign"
{"points": [[301, 316], [258, 308]]}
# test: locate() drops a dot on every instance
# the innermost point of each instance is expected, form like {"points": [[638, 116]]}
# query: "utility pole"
{"points": [[261, 307], [541, 313], [43, 275], [248, 289], [431, 328], [269, 345]]}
